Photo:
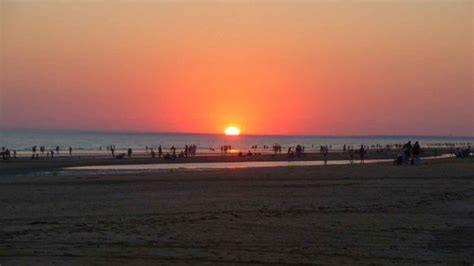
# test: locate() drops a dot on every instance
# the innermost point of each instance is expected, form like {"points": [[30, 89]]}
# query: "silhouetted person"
{"points": [[351, 155], [362, 152], [160, 151], [70, 150], [416, 153], [299, 150], [325, 155], [406, 152], [5, 154]]}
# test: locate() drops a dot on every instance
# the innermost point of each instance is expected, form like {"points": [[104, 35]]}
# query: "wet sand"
{"points": [[26, 165], [345, 214]]}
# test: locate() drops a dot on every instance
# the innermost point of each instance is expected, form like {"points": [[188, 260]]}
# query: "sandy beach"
{"points": [[347, 214]]}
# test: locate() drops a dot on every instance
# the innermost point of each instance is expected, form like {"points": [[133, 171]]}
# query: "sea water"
{"points": [[87, 141]]}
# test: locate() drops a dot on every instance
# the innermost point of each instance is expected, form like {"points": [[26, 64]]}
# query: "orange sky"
{"points": [[269, 67]]}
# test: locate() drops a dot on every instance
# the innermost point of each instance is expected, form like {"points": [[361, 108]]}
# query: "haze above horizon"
{"points": [[59, 130]]}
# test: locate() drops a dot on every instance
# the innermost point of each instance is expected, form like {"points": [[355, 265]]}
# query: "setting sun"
{"points": [[232, 131]]}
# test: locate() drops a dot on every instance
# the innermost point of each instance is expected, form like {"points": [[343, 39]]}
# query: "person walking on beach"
{"points": [[362, 152], [173, 151], [351, 155], [298, 150], [70, 150], [325, 154], [406, 152], [416, 153], [5, 153], [160, 151], [290, 152]]}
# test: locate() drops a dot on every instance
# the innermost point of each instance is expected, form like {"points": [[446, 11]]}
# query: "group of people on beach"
{"points": [[349, 149], [410, 154], [276, 148], [7, 154], [361, 151], [226, 148], [298, 151], [153, 153], [188, 151], [49, 152]]}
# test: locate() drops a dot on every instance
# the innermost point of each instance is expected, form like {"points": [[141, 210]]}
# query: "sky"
{"points": [[268, 67]]}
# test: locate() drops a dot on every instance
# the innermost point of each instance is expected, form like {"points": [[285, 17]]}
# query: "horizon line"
{"points": [[258, 135]]}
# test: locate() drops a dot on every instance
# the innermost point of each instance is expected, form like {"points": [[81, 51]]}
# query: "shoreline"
{"points": [[28, 165]]}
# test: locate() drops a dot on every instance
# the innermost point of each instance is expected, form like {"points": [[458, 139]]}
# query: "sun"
{"points": [[232, 131]]}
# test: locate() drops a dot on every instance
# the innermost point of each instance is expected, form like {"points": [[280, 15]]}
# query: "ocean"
{"points": [[90, 142]]}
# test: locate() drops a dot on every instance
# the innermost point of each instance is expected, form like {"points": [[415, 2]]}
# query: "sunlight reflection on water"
{"points": [[223, 165]]}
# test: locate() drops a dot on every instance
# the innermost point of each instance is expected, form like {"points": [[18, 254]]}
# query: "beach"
{"points": [[236, 132], [24, 165], [338, 214]]}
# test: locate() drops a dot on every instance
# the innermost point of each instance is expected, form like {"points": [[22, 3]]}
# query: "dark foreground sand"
{"points": [[352, 214]]}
